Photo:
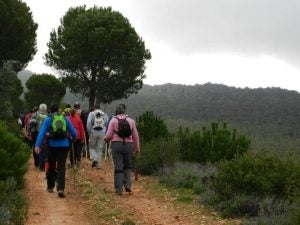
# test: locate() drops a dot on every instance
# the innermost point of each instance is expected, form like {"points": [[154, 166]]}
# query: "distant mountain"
{"points": [[271, 114], [268, 115]]}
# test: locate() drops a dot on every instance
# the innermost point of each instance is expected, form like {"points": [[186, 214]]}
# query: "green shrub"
{"points": [[14, 156], [13, 207], [265, 186], [188, 175], [211, 145], [157, 154], [151, 127]]}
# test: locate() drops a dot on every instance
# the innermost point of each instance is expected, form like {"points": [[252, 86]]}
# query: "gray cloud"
{"points": [[241, 26]]}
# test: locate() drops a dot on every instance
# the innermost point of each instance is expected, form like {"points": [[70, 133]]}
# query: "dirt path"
{"points": [[93, 201]]}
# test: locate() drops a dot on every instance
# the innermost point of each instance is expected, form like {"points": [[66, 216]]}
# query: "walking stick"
{"points": [[105, 151], [134, 159], [72, 146], [85, 147]]}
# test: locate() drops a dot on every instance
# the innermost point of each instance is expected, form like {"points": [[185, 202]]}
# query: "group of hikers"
{"points": [[54, 134]]}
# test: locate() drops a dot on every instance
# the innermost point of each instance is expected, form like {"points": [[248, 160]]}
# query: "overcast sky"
{"points": [[248, 43]]}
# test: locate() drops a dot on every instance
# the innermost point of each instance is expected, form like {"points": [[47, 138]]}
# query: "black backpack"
{"points": [[124, 129]]}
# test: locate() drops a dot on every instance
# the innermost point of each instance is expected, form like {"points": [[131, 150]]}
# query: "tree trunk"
{"points": [[92, 98]]}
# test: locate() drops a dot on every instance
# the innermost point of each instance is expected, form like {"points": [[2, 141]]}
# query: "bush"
{"points": [[211, 145], [14, 156], [13, 207], [157, 154], [151, 127], [261, 185], [188, 175]]}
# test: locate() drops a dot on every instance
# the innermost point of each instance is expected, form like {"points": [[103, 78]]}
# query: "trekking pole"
{"points": [[85, 147], [105, 152], [134, 159], [73, 152]]}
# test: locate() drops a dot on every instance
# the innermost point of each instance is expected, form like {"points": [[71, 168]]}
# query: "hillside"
{"points": [[268, 115]]}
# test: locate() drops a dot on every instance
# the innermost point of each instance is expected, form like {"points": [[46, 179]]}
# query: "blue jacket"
{"points": [[64, 142]]}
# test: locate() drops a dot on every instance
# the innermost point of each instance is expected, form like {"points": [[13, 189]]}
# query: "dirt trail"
{"points": [[103, 206]]}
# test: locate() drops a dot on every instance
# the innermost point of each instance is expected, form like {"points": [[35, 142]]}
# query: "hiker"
{"points": [[75, 153], [124, 143], [96, 126], [87, 136], [21, 120], [83, 114], [66, 111], [41, 116], [32, 134], [58, 127]]}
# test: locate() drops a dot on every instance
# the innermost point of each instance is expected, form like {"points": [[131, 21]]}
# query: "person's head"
{"points": [[72, 112], [68, 106], [54, 108], [35, 109], [43, 107], [92, 109], [97, 106], [76, 105], [120, 109]]}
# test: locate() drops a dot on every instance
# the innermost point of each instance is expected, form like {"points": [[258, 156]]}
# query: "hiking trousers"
{"points": [[96, 145], [57, 157], [122, 158], [77, 148]]}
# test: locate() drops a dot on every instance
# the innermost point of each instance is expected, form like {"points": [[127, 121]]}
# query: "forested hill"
{"points": [[219, 102], [271, 113], [271, 116]]}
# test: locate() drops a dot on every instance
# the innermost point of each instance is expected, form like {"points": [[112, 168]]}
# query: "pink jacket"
{"points": [[113, 126]]}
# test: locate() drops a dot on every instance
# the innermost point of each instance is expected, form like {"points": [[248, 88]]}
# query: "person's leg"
{"points": [[71, 154], [42, 156], [93, 143], [35, 155], [128, 151], [51, 170], [78, 150], [99, 148], [61, 167], [117, 156]]}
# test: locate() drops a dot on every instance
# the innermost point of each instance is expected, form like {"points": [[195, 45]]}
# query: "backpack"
{"points": [[32, 123], [40, 119], [58, 128], [98, 122], [124, 129]]}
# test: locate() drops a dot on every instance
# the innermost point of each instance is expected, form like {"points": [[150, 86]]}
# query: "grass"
{"points": [[182, 198], [101, 203]]}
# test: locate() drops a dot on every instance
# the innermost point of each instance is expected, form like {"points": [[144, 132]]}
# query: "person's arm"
{"points": [[81, 131], [89, 123], [41, 134], [110, 130], [71, 129], [135, 137]]}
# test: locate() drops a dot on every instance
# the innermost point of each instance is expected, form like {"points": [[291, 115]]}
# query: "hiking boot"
{"points": [[128, 190], [61, 193], [56, 184], [97, 166], [50, 190], [118, 192], [94, 164]]}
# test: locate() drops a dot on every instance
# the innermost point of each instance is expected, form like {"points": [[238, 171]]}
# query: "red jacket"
{"points": [[78, 125]]}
